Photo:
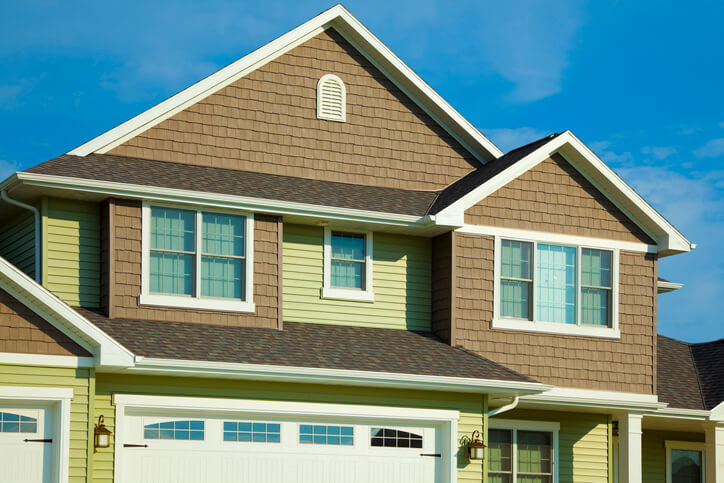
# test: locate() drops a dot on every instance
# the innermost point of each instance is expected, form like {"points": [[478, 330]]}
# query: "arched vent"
{"points": [[331, 98]]}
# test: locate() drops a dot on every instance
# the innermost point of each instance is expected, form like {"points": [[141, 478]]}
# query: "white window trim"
{"points": [[499, 322], [524, 425], [334, 293], [59, 398], [320, 115], [686, 446], [196, 301]]}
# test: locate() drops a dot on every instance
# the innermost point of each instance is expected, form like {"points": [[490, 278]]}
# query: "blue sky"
{"points": [[640, 82]]}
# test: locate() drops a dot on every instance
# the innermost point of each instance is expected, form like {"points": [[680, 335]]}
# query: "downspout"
{"points": [[36, 212], [505, 408]]}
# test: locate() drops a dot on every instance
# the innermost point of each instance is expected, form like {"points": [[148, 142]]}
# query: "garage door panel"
{"points": [[27, 443], [260, 450]]}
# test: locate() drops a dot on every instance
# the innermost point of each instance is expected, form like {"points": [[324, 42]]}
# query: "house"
{"points": [[309, 267]]}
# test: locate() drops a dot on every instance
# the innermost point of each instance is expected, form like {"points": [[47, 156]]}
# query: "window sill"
{"points": [[554, 328], [350, 295], [173, 301]]}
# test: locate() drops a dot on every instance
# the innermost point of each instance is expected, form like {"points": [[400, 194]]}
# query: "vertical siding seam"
{"points": [[280, 273], [453, 290], [654, 337], [111, 235]]}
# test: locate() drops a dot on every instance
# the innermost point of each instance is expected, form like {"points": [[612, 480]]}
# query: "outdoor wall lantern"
{"points": [[476, 448], [102, 437]]}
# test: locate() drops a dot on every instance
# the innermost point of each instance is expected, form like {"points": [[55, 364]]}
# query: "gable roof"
{"points": [[107, 352], [304, 345], [690, 376], [482, 183], [356, 34]]}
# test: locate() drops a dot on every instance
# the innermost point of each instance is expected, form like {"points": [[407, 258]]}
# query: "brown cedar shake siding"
{"points": [[625, 364], [267, 122], [123, 285], [442, 296], [23, 331], [555, 197]]}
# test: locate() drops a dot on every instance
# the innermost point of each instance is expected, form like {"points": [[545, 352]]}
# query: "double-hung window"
{"points": [[519, 454], [347, 265], [555, 288], [197, 259]]}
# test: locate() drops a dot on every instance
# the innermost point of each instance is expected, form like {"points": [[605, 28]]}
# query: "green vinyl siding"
{"points": [[654, 451], [469, 405], [72, 251], [582, 443], [401, 282], [78, 380], [17, 244]]}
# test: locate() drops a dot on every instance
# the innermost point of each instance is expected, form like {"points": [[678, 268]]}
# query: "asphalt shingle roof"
{"points": [[690, 376], [303, 345], [162, 174]]}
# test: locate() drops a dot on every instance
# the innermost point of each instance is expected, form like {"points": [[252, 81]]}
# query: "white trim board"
{"points": [[107, 352], [446, 419], [60, 397], [668, 239], [342, 377], [595, 399], [358, 35], [45, 360]]}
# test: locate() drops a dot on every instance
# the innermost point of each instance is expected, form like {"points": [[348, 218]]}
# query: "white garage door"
{"points": [[27, 444], [201, 448]]}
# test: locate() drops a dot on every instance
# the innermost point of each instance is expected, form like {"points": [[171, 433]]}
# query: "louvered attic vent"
{"points": [[331, 98]]}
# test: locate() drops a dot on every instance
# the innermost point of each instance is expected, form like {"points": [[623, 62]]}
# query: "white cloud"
{"points": [[712, 149], [9, 95], [695, 205], [603, 151], [659, 152], [721, 124], [507, 139]]}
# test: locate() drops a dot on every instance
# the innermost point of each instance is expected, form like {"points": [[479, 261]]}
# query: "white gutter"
{"points": [[329, 376], [505, 408], [259, 205], [664, 286], [36, 213]]}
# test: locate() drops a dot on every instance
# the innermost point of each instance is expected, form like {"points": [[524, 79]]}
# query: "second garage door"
{"points": [[171, 447]]}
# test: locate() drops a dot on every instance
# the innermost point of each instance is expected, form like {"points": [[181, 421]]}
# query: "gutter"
{"points": [[260, 205], [344, 377], [36, 213], [505, 408]]}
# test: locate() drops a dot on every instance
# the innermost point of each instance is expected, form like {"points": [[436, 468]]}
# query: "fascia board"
{"points": [[219, 200], [154, 366], [594, 399], [567, 144], [107, 351], [339, 18], [717, 414], [664, 287]]}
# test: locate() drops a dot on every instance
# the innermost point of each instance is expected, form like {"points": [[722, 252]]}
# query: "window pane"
{"points": [[500, 450], [595, 306], [515, 259], [222, 277], [556, 289], [223, 234], [348, 246], [685, 466], [534, 453], [172, 229], [514, 299], [347, 274], [595, 268], [534, 479], [171, 273]]}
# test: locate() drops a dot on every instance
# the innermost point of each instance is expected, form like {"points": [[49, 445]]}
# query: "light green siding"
{"points": [[78, 380], [582, 443], [401, 282], [469, 405], [17, 242], [71, 251], [654, 452]]}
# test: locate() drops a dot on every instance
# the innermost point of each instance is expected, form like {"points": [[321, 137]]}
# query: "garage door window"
{"points": [[393, 438], [251, 432], [15, 423], [328, 435], [176, 430]]}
